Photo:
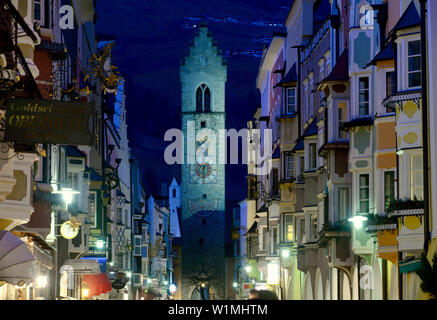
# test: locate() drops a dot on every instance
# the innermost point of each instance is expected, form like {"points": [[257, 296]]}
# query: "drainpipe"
{"points": [[425, 126]]}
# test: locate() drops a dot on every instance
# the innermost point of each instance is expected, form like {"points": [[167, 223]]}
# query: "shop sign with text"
{"points": [[48, 121]]}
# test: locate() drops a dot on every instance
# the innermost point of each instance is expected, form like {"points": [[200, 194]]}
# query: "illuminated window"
{"points": [[288, 227]]}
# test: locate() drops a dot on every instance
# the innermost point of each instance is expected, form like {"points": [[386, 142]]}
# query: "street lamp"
{"points": [[41, 281], [357, 220], [172, 288], [285, 253], [85, 291], [100, 244], [67, 194]]}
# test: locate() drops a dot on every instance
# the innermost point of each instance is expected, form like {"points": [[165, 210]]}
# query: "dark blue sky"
{"points": [[152, 37]]}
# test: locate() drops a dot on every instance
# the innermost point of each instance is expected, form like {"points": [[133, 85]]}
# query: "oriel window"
{"points": [[203, 99]]}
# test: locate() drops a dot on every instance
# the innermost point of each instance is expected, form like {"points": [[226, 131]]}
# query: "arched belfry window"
{"points": [[203, 99]]}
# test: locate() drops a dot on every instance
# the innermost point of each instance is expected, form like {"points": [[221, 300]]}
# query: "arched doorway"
{"points": [[346, 287], [318, 285], [200, 292], [308, 289], [394, 289], [377, 281], [327, 290]]}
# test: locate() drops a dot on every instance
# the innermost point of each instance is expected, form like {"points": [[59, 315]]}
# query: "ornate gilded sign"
{"points": [[49, 121]]}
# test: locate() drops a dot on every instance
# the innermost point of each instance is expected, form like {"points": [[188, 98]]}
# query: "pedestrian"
{"points": [[267, 295], [253, 294]]}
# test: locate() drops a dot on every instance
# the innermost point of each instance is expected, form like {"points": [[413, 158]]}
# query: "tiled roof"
{"points": [[409, 19], [385, 54], [95, 176], [253, 228], [312, 130], [291, 76], [72, 151], [362, 121], [277, 153], [340, 71], [299, 145]]}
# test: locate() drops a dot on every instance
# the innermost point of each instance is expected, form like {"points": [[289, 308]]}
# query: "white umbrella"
{"points": [[16, 260]]}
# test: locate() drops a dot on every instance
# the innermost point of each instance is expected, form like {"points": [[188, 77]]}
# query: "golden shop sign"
{"points": [[49, 121]]}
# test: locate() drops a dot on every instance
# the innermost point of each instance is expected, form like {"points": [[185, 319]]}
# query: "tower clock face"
{"points": [[203, 173]]}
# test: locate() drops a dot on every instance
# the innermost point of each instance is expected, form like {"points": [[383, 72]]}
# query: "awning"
{"points": [[409, 265], [97, 283], [16, 260]]}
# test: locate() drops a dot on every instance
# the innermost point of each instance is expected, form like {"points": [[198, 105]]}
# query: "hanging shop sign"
{"points": [[70, 229], [49, 121]]}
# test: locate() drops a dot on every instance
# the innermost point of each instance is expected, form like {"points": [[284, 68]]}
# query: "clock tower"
{"points": [[203, 76]]}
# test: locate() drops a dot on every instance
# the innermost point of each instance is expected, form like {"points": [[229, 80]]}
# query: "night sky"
{"points": [[152, 37]]}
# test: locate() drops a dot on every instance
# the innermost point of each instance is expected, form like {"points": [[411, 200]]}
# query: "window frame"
{"points": [[408, 56], [41, 20], [92, 214], [288, 157], [285, 227], [204, 88], [312, 156], [368, 96], [384, 186], [347, 214], [287, 104], [420, 172], [360, 187], [385, 93]]}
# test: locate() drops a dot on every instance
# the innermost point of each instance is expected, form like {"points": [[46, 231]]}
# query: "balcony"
{"points": [[409, 214], [337, 238], [307, 256], [300, 179]]}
